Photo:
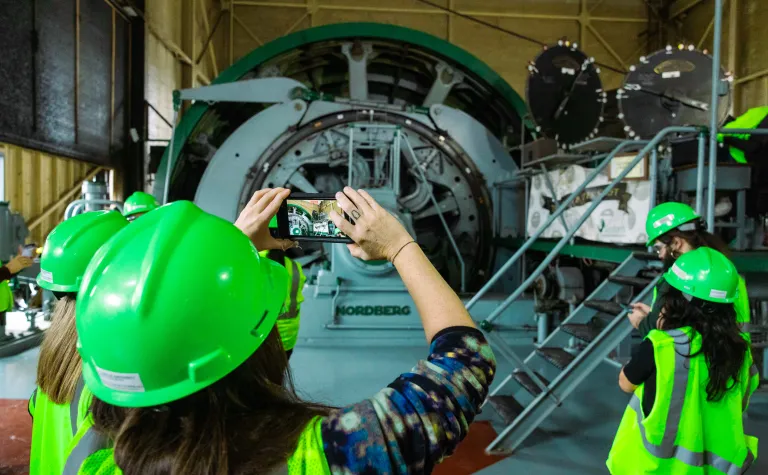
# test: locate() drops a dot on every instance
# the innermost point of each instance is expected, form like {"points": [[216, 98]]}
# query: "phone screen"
{"points": [[311, 218], [29, 250]]}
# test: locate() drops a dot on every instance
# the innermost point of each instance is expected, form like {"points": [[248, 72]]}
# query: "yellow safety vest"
{"points": [[684, 434], [62, 434], [307, 459], [6, 296], [289, 319]]}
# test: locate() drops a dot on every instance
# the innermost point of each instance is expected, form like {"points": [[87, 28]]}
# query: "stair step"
{"points": [[528, 383], [507, 407], [645, 256], [582, 331], [640, 282], [605, 306], [557, 356]]}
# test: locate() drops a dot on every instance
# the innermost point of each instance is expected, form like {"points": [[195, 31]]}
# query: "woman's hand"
{"points": [[255, 217], [377, 234], [18, 264], [639, 313]]}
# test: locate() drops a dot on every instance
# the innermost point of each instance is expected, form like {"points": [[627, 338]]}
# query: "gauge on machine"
{"points": [[671, 87], [565, 95]]}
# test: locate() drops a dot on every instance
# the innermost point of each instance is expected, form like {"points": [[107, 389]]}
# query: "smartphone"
{"points": [[307, 217], [30, 250]]}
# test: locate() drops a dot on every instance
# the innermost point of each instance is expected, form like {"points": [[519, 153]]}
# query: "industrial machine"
{"points": [[671, 87], [27, 296], [440, 140], [565, 95], [420, 123]]}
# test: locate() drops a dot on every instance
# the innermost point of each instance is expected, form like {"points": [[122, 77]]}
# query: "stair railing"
{"points": [[563, 206]]}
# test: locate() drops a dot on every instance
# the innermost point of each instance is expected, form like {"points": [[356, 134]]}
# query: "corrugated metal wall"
{"points": [[40, 186]]}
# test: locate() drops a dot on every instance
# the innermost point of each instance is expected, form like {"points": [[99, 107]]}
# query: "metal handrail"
{"points": [[439, 214], [556, 250], [552, 217]]}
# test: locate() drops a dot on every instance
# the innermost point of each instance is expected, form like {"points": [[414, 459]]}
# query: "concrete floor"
{"points": [[574, 441]]}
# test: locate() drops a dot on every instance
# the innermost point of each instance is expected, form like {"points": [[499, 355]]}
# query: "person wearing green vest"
{"points": [[673, 230], [751, 149], [690, 379], [138, 204], [741, 146], [7, 271], [62, 437], [189, 374], [289, 319]]}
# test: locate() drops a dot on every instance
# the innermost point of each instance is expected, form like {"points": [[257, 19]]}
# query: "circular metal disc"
{"points": [[671, 87], [564, 94]]}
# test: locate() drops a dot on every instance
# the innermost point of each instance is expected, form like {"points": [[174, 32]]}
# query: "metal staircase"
{"points": [[587, 336], [575, 348]]}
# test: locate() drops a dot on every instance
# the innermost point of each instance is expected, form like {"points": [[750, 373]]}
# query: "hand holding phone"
{"points": [[307, 217], [376, 232], [254, 220]]}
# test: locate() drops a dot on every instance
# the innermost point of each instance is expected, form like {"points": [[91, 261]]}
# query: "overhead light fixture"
{"points": [[128, 10]]}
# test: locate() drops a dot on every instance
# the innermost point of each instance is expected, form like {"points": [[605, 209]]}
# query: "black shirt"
{"points": [[649, 323], [642, 369], [5, 274]]}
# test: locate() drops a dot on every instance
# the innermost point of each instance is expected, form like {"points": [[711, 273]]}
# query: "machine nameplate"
{"points": [[356, 310]]}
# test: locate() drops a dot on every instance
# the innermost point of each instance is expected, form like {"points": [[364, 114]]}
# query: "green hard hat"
{"points": [[273, 222], [705, 274], [175, 302], [71, 245], [139, 202], [666, 217]]}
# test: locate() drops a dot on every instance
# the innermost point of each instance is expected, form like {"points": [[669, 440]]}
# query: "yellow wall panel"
{"points": [[35, 182]]}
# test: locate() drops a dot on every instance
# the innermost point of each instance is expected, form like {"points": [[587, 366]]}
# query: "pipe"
{"points": [[168, 168], [556, 250], [439, 214], [714, 121], [563, 206], [654, 176], [700, 174]]}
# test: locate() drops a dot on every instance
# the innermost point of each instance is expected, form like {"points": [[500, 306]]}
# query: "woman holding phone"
{"points": [[186, 382], [7, 271]]}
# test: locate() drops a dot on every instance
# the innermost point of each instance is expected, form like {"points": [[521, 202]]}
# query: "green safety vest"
{"points": [[62, 434], [307, 459], [288, 321], [684, 434], [6, 296], [749, 120]]}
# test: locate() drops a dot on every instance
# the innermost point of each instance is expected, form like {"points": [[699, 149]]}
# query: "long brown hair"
{"points": [[247, 422], [722, 345], [698, 237], [59, 366]]}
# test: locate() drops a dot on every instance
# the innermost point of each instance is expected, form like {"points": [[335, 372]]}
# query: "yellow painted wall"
{"points": [[751, 37], [185, 24], [256, 23], [35, 182]]}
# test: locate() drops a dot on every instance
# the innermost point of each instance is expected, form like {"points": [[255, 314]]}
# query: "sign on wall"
{"points": [[619, 218]]}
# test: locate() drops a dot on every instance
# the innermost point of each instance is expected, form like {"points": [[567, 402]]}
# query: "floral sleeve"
{"points": [[412, 424]]}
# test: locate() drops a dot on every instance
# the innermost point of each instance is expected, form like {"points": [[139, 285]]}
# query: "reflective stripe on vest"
{"points": [[293, 305], [668, 449], [75, 404], [90, 443]]}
